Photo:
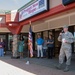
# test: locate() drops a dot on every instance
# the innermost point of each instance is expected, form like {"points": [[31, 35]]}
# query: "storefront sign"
{"points": [[35, 8]]}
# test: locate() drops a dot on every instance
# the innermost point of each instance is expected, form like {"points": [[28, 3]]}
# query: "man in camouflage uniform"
{"points": [[66, 38]]}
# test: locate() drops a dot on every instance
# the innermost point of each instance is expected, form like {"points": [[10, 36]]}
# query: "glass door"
{"points": [[10, 40]]}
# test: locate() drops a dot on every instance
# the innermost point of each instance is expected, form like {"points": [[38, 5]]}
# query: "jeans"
{"points": [[1, 52], [50, 52], [44, 52]]}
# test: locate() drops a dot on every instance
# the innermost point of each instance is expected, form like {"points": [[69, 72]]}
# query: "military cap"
{"points": [[65, 26]]}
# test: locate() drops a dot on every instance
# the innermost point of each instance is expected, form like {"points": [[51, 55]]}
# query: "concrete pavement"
{"points": [[40, 66]]}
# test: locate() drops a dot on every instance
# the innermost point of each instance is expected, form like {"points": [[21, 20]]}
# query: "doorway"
{"points": [[57, 43]]}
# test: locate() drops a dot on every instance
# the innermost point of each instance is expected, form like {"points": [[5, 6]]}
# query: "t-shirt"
{"points": [[39, 41], [50, 45]]}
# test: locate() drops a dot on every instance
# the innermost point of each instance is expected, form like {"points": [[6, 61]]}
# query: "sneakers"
{"points": [[66, 68]]}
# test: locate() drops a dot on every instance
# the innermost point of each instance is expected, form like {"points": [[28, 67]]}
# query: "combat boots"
{"points": [[66, 68], [58, 67]]}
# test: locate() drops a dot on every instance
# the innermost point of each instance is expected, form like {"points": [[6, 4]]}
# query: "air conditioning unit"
{"points": [[66, 2]]}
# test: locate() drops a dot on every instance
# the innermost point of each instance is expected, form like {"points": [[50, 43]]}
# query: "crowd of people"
{"points": [[45, 47]]}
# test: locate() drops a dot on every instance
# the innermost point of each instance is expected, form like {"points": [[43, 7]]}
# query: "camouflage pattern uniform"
{"points": [[66, 49]]}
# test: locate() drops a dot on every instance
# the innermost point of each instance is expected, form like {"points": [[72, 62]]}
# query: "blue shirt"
{"points": [[40, 41]]}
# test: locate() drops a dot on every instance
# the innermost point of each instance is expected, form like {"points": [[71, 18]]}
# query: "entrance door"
{"points": [[57, 43], [10, 40]]}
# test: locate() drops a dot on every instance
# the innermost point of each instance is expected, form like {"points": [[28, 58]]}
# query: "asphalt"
{"points": [[36, 66]]}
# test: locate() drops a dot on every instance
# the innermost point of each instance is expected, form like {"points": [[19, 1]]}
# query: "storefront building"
{"points": [[46, 17]]}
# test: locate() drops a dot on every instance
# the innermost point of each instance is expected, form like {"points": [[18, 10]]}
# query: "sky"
{"points": [[12, 4]]}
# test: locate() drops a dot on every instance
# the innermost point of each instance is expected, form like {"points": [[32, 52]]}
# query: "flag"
{"points": [[30, 42]]}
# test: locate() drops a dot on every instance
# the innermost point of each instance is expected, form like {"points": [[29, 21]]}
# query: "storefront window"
{"points": [[50, 33], [10, 39], [3, 36], [45, 34]]}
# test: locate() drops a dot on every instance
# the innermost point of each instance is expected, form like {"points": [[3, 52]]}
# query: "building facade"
{"points": [[47, 19]]}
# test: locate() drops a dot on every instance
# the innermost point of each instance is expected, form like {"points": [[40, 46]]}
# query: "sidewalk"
{"points": [[43, 66]]}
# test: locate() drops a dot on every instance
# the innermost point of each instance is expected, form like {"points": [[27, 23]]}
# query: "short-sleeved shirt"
{"points": [[39, 41], [50, 45]]}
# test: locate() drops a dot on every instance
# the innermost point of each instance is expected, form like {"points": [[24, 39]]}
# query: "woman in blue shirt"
{"points": [[50, 44]]}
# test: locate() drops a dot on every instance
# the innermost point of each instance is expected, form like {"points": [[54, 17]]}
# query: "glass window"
{"points": [[10, 39], [45, 34]]}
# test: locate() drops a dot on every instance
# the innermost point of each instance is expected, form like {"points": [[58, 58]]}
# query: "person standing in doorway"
{"points": [[39, 42], [1, 47], [66, 38], [45, 47], [21, 46], [50, 44]]}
